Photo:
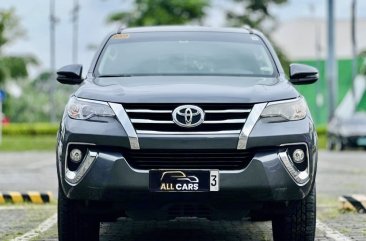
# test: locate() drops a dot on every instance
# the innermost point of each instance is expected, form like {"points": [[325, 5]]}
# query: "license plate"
{"points": [[184, 180], [361, 141]]}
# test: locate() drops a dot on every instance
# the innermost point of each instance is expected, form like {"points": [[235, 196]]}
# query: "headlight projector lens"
{"points": [[76, 155], [298, 156]]}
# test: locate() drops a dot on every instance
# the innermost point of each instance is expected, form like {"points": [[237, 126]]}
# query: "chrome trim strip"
{"points": [[126, 124], [220, 171], [147, 111], [301, 178], [67, 154], [225, 121], [91, 101], [249, 125], [151, 121], [172, 122], [134, 169], [284, 101], [187, 133], [228, 111], [169, 111], [74, 177]]}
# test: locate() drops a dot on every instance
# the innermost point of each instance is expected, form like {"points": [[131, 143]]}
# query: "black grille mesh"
{"points": [[188, 159]]}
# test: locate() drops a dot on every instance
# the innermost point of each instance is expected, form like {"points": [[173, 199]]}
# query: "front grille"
{"points": [[188, 159], [157, 118]]}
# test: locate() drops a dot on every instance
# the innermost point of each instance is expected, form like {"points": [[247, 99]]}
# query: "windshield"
{"points": [[185, 53]]}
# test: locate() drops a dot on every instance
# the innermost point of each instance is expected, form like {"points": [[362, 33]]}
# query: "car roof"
{"points": [[185, 29]]}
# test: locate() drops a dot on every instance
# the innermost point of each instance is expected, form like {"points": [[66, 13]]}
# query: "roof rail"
{"points": [[121, 28], [247, 27]]}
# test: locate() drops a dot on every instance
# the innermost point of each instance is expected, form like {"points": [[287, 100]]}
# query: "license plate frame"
{"points": [[184, 180]]}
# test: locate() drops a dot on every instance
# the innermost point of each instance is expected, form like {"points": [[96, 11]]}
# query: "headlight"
{"points": [[83, 109], [288, 109]]}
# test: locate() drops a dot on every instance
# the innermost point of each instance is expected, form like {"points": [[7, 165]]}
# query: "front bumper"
{"points": [[110, 178]]}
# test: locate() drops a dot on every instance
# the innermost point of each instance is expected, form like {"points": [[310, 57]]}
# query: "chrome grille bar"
{"points": [[172, 122], [228, 111], [151, 121], [225, 121], [157, 119], [147, 111], [186, 132]]}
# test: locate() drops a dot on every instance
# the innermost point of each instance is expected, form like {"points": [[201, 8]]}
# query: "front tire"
{"points": [[299, 222], [74, 225]]}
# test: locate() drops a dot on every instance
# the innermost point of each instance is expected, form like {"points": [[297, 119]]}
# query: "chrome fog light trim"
{"points": [[73, 177], [300, 177]]}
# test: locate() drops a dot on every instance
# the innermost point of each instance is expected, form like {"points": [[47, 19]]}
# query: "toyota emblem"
{"points": [[188, 116]]}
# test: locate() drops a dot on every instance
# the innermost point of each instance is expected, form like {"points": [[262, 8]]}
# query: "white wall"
{"points": [[297, 38]]}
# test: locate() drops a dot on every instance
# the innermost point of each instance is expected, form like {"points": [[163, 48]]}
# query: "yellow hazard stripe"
{"points": [[50, 197], [16, 197], [2, 199], [35, 197], [32, 197]]}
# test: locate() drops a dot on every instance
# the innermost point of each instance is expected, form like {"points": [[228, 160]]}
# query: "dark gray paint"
{"points": [[187, 89], [264, 180]]}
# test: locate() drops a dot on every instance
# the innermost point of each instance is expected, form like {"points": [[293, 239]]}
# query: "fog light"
{"points": [[298, 156], [76, 155]]}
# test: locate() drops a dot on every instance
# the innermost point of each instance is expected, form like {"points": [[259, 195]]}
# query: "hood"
{"points": [[187, 89]]}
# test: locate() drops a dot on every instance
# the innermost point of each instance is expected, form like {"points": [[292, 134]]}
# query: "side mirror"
{"points": [[70, 74], [301, 74]]}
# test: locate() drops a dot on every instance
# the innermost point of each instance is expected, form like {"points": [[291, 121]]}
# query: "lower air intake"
{"points": [[188, 159]]}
